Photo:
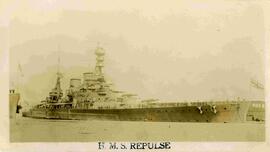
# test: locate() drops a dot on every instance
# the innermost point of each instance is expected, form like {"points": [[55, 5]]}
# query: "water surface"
{"points": [[43, 130]]}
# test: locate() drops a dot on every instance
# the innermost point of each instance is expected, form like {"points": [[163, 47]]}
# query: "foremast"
{"points": [[100, 53], [56, 94]]}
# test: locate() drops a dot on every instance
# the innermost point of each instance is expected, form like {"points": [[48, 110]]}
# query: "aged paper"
{"points": [[134, 75]]}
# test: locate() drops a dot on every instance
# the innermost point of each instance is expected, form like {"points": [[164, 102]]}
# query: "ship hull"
{"points": [[13, 103], [229, 112]]}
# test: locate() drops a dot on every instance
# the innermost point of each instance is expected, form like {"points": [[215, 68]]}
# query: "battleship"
{"points": [[94, 98]]}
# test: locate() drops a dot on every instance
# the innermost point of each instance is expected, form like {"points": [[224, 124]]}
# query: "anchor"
{"points": [[214, 109], [200, 108]]}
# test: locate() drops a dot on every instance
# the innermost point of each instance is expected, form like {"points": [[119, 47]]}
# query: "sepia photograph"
{"points": [[154, 72]]}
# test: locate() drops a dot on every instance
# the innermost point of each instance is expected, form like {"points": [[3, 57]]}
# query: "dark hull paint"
{"points": [[229, 112]]}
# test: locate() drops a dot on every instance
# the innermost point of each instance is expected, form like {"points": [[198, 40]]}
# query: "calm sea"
{"points": [[42, 130]]}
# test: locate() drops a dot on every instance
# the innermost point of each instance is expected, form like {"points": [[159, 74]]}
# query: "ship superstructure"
{"points": [[14, 98], [94, 98]]}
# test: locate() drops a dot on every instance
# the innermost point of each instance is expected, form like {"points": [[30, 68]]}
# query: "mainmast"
{"points": [[59, 74]]}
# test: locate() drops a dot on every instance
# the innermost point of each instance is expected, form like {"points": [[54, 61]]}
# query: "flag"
{"points": [[256, 84]]}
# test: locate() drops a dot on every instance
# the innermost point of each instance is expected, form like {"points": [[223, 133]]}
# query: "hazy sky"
{"points": [[169, 50]]}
